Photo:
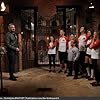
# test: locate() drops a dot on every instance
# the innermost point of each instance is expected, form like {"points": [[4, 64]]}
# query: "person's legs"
{"points": [[96, 73], [11, 59], [76, 69], [81, 61], [91, 69], [65, 61], [61, 61], [49, 62], [70, 66], [86, 64], [92, 73], [53, 57]]}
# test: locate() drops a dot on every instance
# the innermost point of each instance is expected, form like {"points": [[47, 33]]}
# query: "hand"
{"points": [[17, 49], [82, 47]]}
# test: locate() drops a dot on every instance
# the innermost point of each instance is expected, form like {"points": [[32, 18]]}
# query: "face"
{"points": [[95, 34], [12, 28], [82, 29], [61, 33], [72, 42], [71, 37], [89, 33], [51, 38]]}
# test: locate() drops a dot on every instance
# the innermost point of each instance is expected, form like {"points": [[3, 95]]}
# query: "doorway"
{"points": [[28, 27]]}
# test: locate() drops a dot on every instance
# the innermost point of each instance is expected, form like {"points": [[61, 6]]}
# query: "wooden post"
{"points": [[20, 52]]}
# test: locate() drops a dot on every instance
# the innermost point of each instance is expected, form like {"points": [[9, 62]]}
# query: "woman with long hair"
{"points": [[95, 55], [51, 53], [88, 60]]}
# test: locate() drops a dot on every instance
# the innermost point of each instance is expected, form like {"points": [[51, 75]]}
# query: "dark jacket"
{"points": [[11, 42]]}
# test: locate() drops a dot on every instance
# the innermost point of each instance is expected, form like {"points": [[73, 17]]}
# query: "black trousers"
{"points": [[70, 67], [76, 68], [51, 59], [81, 62], [73, 66], [11, 59], [96, 70]]}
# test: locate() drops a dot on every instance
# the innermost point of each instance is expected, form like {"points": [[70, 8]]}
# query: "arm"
{"points": [[56, 43], [77, 55], [95, 45], [67, 42], [88, 43]]}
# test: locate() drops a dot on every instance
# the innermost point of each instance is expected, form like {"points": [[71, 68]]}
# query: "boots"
{"points": [[12, 77]]}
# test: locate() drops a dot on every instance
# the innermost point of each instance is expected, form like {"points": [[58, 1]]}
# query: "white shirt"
{"points": [[82, 42], [62, 44], [88, 50], [51, 50], [95, 53]]}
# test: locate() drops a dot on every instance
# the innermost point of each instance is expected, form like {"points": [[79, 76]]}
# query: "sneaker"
{"points": [[69, 74], [95, 84], [75, 77], [65, 71], [13, 79], [87, 77], [50, 70], [82, 76], [90, 79], [60, 71], [15, 76], [54, 71]]}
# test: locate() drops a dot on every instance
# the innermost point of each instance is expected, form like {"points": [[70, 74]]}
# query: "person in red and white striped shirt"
{"points": [[88, 60], [51, 53], [62, 44], [81, 43], [95, 55]]}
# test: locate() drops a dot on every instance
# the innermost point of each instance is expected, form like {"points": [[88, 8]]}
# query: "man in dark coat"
{"points": [[12, 48]]}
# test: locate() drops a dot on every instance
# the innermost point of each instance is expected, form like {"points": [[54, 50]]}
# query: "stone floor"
{"points": [[40, 82]]}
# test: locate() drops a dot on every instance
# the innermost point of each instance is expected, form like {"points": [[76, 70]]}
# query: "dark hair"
{"points": [[98, 35], [91, 32], [75, 42], [52, 36]]}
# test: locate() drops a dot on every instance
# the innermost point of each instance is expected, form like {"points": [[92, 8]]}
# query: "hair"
{"points": [[85, 29], [10, 24], [75, 42], [90, 31], [98, 35], [51, 36]]}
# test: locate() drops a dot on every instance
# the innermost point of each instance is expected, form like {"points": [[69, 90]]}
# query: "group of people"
{"points": [[77, 54]]}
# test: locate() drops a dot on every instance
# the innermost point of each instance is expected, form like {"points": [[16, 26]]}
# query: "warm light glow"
{"points": [[33, 36], [91, 3], [91, 7], [3, 7], [47, 38]]}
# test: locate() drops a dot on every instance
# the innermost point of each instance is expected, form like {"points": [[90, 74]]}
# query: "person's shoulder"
{"points": [[66, 37], [76, 48], [8, 33], [98, 41]]}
